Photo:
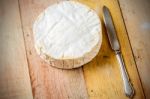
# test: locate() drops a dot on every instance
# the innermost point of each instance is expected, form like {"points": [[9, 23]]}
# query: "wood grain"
{"points": [[102, 75], [136, 14], [14, 74], [48, 82]]}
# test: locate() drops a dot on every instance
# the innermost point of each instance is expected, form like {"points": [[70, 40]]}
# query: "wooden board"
{"points": [[101, 79], [137, 19], [48, 82], [102, 75], [14, 74]]}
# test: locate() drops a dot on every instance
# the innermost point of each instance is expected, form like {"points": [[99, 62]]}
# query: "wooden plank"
{"points": [[14, 74], [102, 75], [136, 14], [48, 82]]}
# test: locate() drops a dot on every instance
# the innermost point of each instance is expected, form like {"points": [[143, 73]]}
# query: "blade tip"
{"points": [[105, 8]]}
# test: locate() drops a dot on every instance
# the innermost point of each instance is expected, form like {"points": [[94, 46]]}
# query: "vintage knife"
{"points": [[111, 32]]}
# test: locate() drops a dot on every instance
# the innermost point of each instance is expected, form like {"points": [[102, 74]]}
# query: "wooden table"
{"points": [[23, 75]]}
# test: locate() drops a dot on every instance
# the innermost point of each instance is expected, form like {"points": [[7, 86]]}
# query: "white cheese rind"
{"points": [[67, 30]]}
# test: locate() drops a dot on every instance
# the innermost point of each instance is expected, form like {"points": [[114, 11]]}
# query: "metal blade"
{"points": [[110, 29]]}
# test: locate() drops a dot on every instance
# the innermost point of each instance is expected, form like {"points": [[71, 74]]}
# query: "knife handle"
{"points": [[128, 88]]}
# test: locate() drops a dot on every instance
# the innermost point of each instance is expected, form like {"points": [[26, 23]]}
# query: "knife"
{"points": [[112, 36]]}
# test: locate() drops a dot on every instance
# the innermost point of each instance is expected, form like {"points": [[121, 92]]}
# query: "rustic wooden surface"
{"points": [[14, 75], [136, 14], [99, 79], [103, 71], [48, 82]]}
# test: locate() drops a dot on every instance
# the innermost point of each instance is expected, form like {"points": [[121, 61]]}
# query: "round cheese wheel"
{"points": [[67, 34]]}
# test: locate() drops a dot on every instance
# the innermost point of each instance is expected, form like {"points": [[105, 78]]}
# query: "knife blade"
{"points": [[113, 40]]}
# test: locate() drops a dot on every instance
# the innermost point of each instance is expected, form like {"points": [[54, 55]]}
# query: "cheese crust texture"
{"points": [[67, 30]]}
